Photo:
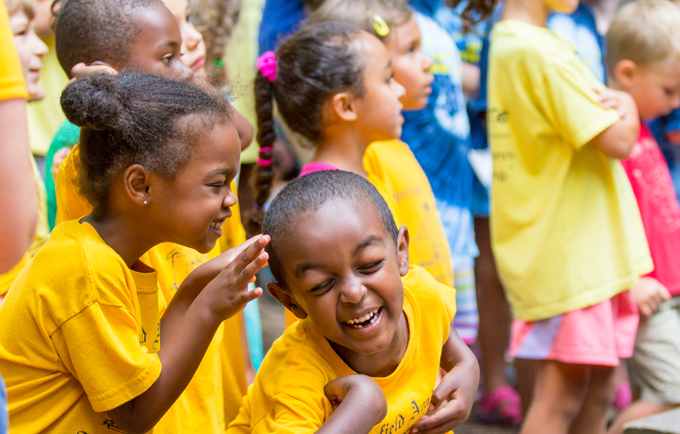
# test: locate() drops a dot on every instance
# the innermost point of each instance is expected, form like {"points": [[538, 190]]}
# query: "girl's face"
{"points": [[193, 46], [31, 49], [191, 208], [379, 110], [410, 64]]}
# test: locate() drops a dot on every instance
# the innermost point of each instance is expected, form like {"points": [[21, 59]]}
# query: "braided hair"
{"points": [[312, 65]]}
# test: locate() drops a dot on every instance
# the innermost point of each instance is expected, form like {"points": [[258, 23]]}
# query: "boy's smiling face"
{"points": [[343, 269]]}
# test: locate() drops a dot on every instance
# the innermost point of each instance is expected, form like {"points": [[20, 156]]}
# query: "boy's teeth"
{"points": [[359, 322]]}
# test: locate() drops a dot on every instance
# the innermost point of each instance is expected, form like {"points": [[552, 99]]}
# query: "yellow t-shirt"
{"points": [[12, 83], [397, 167], [89, 331], [201, 407], [288, 396], [566, 231], [45, 116]]}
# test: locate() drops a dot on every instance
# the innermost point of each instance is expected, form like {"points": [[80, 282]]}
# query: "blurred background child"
{"points": [[643, 58], [547, 138], [22, 20]]}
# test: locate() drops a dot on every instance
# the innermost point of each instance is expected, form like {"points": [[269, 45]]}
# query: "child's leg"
{"points": [[499, 402], [638, 410], [466, 320], [592, 419], [654, 369], [494, 312], [558, 396]]}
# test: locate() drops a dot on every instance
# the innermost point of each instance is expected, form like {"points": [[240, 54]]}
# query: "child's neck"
{"points": [[123, 235], [382, 363], [344, 151], [529, 11]]}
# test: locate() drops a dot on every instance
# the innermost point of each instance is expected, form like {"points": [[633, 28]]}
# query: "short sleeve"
{"points": [[11, 76], [571, 106], [100, 347], [292, 415]]}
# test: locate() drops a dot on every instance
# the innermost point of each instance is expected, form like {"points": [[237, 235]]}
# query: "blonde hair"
{"points": [[26, 6], [362, 13], [644, 31]]}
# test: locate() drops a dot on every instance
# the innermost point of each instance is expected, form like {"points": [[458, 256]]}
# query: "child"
{"points": [[392, 162], [439, 136], [363, 310], [566, 233], [201, 407], [30, 49], [643, 59], [86, 303]]}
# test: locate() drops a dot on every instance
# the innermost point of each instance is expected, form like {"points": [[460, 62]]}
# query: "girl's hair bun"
{"points": [[94, 102]]}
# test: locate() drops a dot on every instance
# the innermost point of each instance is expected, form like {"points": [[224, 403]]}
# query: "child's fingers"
{"points": [[248, 273], [248, 296], [446, 387], [250, 254], [443, 420]]}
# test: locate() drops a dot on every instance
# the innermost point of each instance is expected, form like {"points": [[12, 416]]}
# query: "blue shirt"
{"points": [[280, 18], [660, 128], [439, 134], [580, 29]]}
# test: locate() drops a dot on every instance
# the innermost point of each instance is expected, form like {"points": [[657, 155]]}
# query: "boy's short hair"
{"points": [[26, 6], [644, 31], [362, 13], [308, 194], [90, 30]]}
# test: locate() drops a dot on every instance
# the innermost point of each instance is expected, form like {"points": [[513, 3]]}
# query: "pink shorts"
{"points": [[596, 335]]}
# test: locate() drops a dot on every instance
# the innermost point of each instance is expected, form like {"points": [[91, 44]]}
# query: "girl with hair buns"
{"points": [[156, 158]]}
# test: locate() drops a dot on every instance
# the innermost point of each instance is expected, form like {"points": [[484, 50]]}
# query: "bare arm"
{"points": [[244, 129], [18, 198], [617, 141], [452, 400], [183, 347], [358, 403], [471, 79]]}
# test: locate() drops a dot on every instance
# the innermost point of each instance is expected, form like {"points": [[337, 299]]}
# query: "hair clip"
{"points": [[266, 149], [266, 63], [219, 63], [380, 26], [264, 162]]}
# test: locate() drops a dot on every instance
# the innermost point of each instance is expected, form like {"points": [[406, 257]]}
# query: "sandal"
{"points": [[500, 407]]}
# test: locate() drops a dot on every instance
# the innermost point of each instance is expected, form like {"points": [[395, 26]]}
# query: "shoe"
{"points": [[500, 407]]}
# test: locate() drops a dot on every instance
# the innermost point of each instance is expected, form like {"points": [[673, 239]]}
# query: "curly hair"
{"points": [[313, 64], [90, 30], [309, 194], [136, 118], [216, 19]]}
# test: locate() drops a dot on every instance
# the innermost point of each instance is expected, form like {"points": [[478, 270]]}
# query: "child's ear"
{"points": [[343, 106], [137, 182], [285, 299], [624, 73], [403, 240]]}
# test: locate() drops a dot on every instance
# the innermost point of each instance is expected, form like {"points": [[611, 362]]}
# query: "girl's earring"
{"points": [[145, 202]]}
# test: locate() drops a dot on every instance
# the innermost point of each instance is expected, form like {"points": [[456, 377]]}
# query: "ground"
{"points": [[272, 315]]}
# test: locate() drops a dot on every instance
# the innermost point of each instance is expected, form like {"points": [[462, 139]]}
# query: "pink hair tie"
{"points": [[266, 63], [264, 163], [266, 149]]}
